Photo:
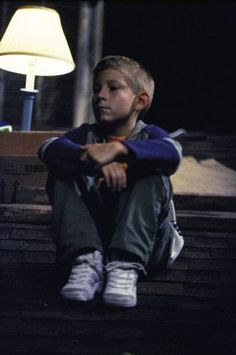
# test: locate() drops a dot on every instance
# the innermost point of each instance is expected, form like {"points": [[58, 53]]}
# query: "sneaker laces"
{"points": [[177, 228], [124, 274], [84, 266]]}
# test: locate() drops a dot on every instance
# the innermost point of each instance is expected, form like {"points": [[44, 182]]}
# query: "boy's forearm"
{"points": [[103, 153], [162, 154]]}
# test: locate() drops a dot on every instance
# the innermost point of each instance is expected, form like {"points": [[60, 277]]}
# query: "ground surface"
{"points": [[187, 309]]}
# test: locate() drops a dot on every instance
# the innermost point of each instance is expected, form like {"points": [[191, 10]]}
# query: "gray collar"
{"points": [[140, 125]]}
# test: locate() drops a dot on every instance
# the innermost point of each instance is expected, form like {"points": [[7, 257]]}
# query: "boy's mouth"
{"points": [[102, 108]]}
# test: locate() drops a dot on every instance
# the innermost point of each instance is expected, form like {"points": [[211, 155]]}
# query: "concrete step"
{"points": [[205, 202], [187, 309], [56, 337], [42, 212], [205, 248], [207, 220], [221, 148], [175, 308]]}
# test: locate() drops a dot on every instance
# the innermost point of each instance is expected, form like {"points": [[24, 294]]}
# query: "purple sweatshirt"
{"points": [[150, 147]]}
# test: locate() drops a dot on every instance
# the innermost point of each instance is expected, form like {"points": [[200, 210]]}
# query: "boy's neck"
{"points": [[119, 128]]}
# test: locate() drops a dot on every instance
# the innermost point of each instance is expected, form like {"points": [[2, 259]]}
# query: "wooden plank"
{"points": [[207, 220], [39, 345], [204, 202], [197, 220], [191, 303], [18, 213]]}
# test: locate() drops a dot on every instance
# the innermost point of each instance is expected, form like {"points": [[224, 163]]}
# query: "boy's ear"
{"points": [[142, 101]]}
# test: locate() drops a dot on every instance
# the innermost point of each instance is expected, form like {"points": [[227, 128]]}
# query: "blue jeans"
{"points": [[85, 217]]}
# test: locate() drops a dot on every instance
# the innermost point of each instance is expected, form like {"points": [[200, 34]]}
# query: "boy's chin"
{"points": [[109, 120], [105, 120]]}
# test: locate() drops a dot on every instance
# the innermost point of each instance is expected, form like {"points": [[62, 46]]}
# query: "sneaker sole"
{"points": [[112, 300], [75, 295]]}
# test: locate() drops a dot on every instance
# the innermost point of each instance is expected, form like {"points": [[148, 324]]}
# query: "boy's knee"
{"points": [[154, 183]]}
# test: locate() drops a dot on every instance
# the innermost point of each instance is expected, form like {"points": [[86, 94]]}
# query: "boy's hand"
{"points": [[115, 176], [101, 154]]}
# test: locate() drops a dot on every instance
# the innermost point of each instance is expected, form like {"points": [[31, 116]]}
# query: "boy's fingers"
{"points": [[116, 179], [107, 177], [115, 176], [84, 156]]}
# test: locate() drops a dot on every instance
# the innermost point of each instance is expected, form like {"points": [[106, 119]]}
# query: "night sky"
{"points": [[190, 47]]}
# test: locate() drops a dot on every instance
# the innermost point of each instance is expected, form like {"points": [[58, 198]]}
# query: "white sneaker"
{"points": [[121, 287], [86, 278]]}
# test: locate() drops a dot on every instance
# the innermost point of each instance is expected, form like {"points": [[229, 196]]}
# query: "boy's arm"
{"points": [[103, 154], [68, 156], [62, 154], [159, 152]]}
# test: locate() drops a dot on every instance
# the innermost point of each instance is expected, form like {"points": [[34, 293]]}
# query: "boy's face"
{"points": [[113, 98]]}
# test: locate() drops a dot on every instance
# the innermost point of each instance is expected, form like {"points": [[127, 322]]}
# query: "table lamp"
{"points": [[34, 44]]}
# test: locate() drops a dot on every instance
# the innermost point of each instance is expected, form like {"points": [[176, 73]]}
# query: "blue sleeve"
{"points": [[159, 150], [61, 154]]}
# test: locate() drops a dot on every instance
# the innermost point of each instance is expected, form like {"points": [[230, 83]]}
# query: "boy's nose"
{"points": [[102, 93]]}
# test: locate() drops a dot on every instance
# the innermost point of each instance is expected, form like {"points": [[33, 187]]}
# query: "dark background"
{"points": [[189, 46]]}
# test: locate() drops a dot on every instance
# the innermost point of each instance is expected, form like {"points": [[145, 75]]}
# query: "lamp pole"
{"points": [[27, 111], [89, 52], [29, 96]]}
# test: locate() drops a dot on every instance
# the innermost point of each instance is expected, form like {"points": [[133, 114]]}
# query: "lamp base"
{"points": [[28, 102], [29, 91]]}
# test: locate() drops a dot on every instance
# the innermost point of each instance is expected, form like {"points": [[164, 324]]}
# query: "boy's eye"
{"points": [[96, 89], [113, 88]]}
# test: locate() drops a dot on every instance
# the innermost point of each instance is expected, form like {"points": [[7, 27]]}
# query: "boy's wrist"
{"points": [[121, 148]]}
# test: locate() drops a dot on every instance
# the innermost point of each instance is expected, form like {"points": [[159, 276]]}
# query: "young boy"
{"points": [[110, 189]]}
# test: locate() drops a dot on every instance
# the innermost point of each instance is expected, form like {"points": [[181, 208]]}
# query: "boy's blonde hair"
{"points": [[139, 77]]}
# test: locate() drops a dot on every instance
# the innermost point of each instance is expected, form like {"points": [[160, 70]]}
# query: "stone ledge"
{"points": [[20, 213], [187, 219], [204, 202]]}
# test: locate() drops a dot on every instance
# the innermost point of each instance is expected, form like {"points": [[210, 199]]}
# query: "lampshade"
{"points": [[34, 42]]}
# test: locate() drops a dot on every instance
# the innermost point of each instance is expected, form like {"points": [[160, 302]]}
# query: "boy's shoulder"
{"points": [[150, 128], [153, 129]]}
